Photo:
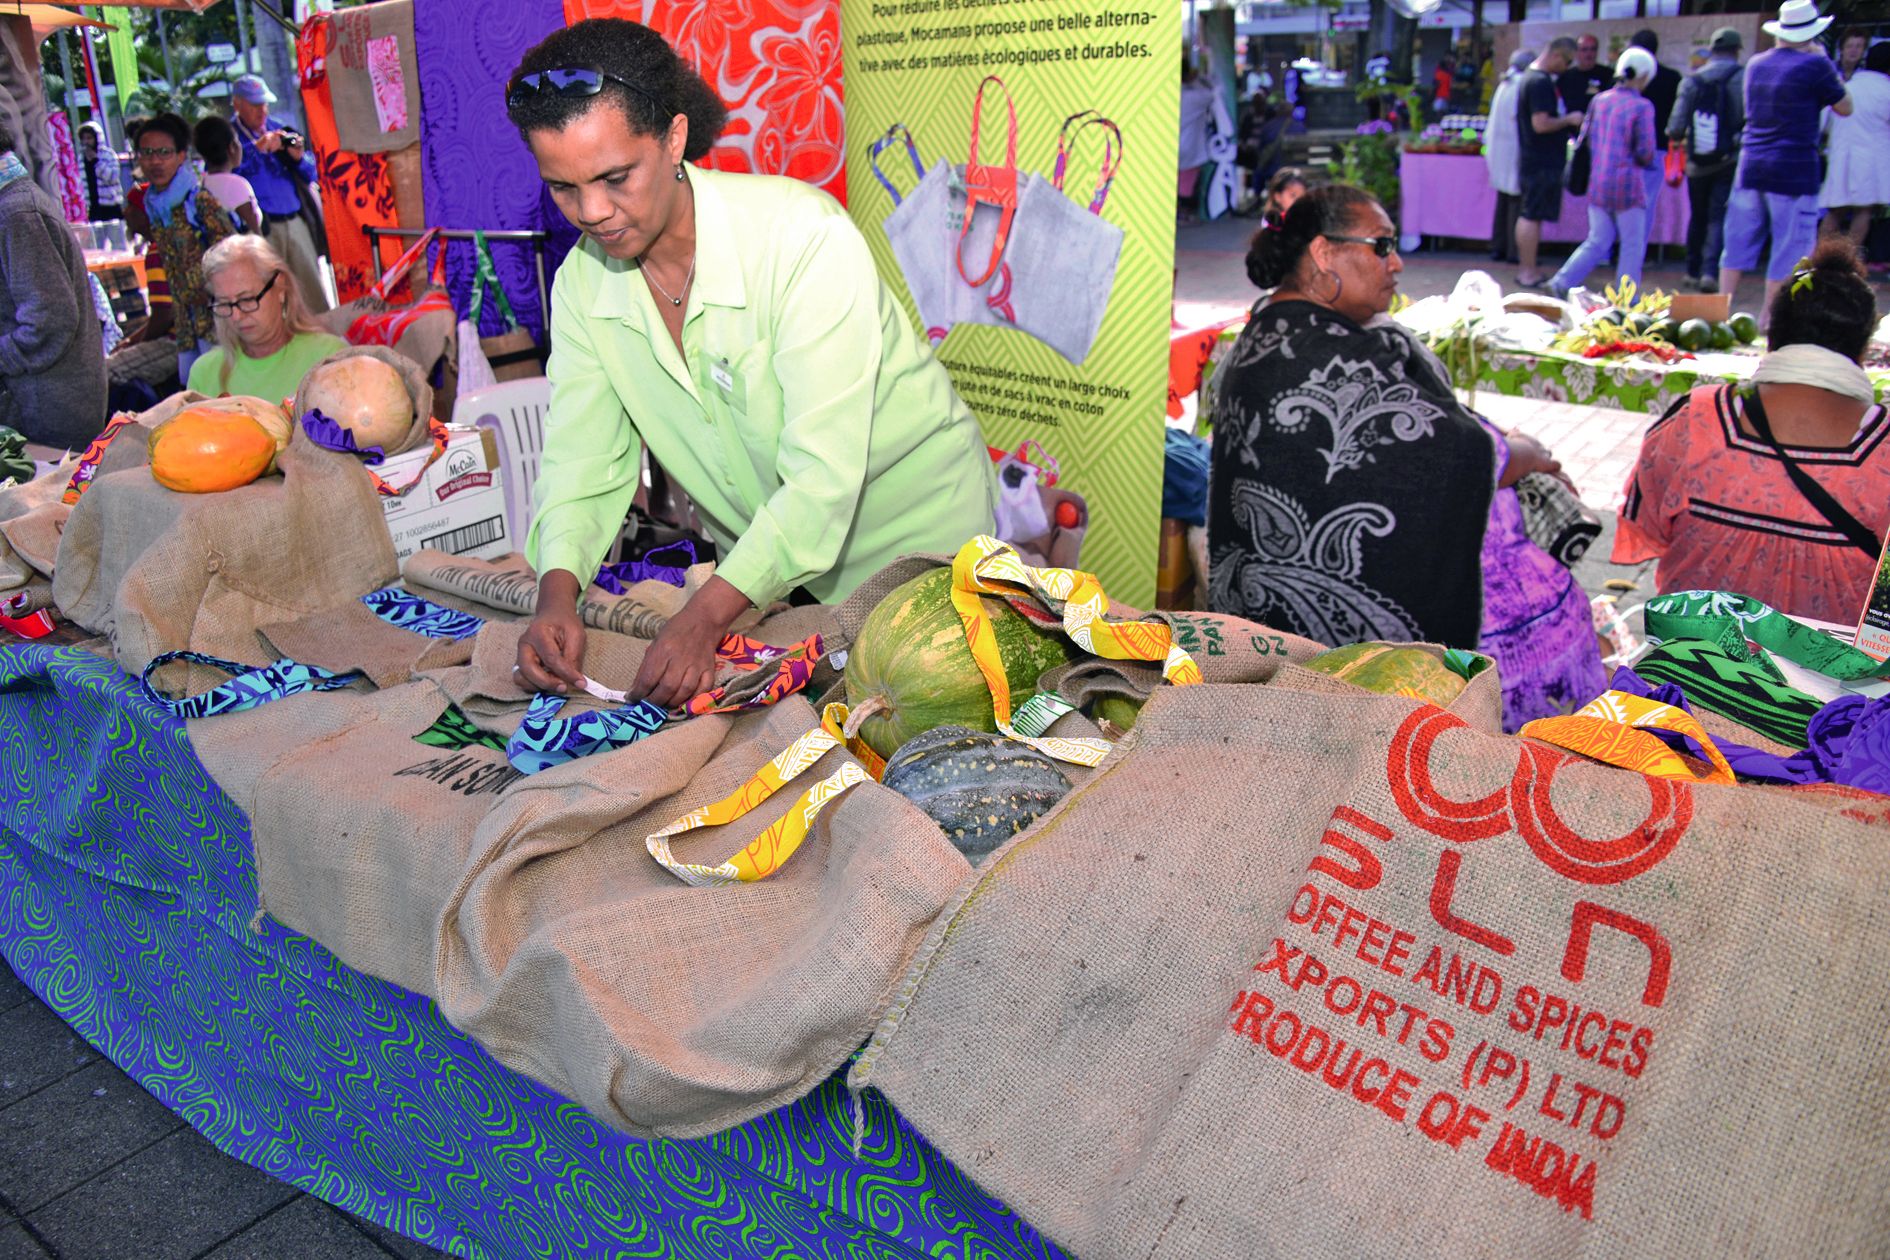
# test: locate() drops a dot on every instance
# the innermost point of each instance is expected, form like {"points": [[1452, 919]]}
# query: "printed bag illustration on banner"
{"points": [[1060, 261], [921, 250], [1032, 260]]}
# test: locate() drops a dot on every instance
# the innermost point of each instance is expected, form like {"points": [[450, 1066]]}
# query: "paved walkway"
{"points": [[94, 1168]]}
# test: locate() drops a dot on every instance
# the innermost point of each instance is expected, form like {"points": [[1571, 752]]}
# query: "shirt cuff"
{"points": [[568, 553], [748, 571]]}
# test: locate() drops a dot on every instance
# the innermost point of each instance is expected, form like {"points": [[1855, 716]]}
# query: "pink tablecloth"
{"points": [[1447, 194]]}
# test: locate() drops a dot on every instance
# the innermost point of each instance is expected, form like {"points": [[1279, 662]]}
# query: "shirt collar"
{"points": [[718, 279]]}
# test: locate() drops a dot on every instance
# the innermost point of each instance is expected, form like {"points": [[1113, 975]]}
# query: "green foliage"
{"points": [[1371, 162], [195, 71]]}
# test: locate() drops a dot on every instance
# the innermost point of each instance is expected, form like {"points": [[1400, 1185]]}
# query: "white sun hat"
{"points": [[1797, 22]]}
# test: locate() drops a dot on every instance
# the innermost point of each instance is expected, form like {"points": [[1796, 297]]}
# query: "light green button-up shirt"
{"points": [[811, 424]]}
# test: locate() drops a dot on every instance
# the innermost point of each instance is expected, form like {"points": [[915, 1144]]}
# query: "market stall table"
{"points": [[128, 903], [1637, 383], [1449, 194]]}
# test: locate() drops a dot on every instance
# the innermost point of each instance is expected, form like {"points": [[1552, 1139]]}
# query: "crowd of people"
{"points": [[1770, 150], [230, 262]]}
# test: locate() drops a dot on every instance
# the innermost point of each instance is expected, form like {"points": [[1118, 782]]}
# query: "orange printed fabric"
{"points": [[1074, 599], [357, 188], [1615, 728], [775, 63]]}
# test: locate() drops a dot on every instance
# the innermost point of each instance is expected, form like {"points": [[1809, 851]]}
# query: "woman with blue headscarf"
{"points": [[182, 220]]}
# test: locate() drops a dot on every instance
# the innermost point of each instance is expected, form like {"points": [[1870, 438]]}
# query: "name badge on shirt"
{"points": [[734, 390]]}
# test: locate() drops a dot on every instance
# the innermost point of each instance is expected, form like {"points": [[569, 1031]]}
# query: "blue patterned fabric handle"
{"points": [[543, 739], [422, 616], [250, 686]]}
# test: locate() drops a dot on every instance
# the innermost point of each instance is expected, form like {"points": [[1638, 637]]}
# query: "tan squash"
{"points": [[364, 396]]}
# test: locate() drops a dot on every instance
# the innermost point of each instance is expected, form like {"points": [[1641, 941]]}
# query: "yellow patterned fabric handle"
{"points": [[985, 566], [1614, 728], [773, 847]]}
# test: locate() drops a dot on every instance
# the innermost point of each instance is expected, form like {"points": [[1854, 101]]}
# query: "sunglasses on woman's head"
{"points": [[1381, 245], [245, 304], [572, 82]]}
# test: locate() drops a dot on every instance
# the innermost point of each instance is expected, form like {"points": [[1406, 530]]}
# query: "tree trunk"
{"points": [[278, 66], [1392, 34]]}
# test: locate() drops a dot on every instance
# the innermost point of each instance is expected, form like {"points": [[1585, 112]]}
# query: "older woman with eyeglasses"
{"points": [[736, 326], [1354, 498], [266, 338]]}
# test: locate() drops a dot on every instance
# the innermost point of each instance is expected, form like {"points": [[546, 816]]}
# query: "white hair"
{"points": [[263, 258], [1636, 65]]}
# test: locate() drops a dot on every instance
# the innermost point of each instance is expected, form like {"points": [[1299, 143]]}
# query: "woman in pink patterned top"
{"points": [[1619, 131], [1713, 495]]}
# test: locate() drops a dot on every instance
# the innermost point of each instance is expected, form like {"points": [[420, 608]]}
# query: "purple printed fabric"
{"points": [[330, 436], [1848, 741], [616, 577], [476, 171], [1536, 620]]}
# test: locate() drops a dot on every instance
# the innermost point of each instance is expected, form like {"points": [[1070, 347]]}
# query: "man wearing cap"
{"points": [[1777, 186], [274, 161], [1708, 116]]}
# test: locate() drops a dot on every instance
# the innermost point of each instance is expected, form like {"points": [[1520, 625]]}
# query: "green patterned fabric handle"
{"points": [[486, 276], [1732, 621]]}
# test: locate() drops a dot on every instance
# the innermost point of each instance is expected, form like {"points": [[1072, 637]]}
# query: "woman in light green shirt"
{"points": [[266, 338], [736, 325]]}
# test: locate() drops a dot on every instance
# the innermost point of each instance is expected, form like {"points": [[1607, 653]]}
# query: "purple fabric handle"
{"points": [[1848, 740], [330, 436], [615, 578]]}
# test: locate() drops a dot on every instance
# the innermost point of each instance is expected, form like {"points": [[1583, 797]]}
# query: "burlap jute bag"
{"points": [[363, 870], [17, 502], [160, 571], [666, 1009], [350, 637], [492, 696], [34, 537], [510, 586], [1335, 975]]}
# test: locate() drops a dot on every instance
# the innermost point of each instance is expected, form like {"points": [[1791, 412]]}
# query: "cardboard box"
{"points": [[458, 505], [1174, 570], [1711, 307]]}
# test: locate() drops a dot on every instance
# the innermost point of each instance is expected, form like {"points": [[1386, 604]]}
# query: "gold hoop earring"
{"points": [[1338, 286]]}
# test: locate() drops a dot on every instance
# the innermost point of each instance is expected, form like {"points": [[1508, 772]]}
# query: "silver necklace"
{"points": [[647, 275]]}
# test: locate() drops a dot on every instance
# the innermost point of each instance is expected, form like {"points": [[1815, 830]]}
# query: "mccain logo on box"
{"points": [[463, 469]]}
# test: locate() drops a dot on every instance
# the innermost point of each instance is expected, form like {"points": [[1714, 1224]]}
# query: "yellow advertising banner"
{"points": [[1012, 165]]}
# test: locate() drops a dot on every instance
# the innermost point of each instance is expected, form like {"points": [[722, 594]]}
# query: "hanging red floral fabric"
{"points": [[775, 63]]}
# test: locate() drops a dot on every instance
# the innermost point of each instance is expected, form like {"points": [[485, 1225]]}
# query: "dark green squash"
{"points": [[982, 789], [910, 669]]}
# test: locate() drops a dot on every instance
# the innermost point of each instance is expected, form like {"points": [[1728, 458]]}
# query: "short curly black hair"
{"points": [[169, 124], [666, 84]]}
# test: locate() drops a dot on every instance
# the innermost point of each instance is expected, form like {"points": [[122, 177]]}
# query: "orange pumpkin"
{"points": [[206, 448], [270, 416]]}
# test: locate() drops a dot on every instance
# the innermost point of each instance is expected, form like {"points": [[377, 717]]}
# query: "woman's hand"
{"points": [[680, 663], [551, 651], [1526, 455]]}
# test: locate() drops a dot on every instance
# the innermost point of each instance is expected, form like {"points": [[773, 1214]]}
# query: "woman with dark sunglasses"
{"points": [[1354, 498], [737, 327]]}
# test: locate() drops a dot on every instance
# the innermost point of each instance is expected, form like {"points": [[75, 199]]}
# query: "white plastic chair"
{"points": [[515, 411]]}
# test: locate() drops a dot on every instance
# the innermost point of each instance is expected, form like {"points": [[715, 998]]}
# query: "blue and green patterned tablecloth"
{"points": [[126, 887]]}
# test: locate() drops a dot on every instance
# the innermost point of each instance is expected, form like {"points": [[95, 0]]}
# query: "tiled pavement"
{"points": [[94, 1168]]}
